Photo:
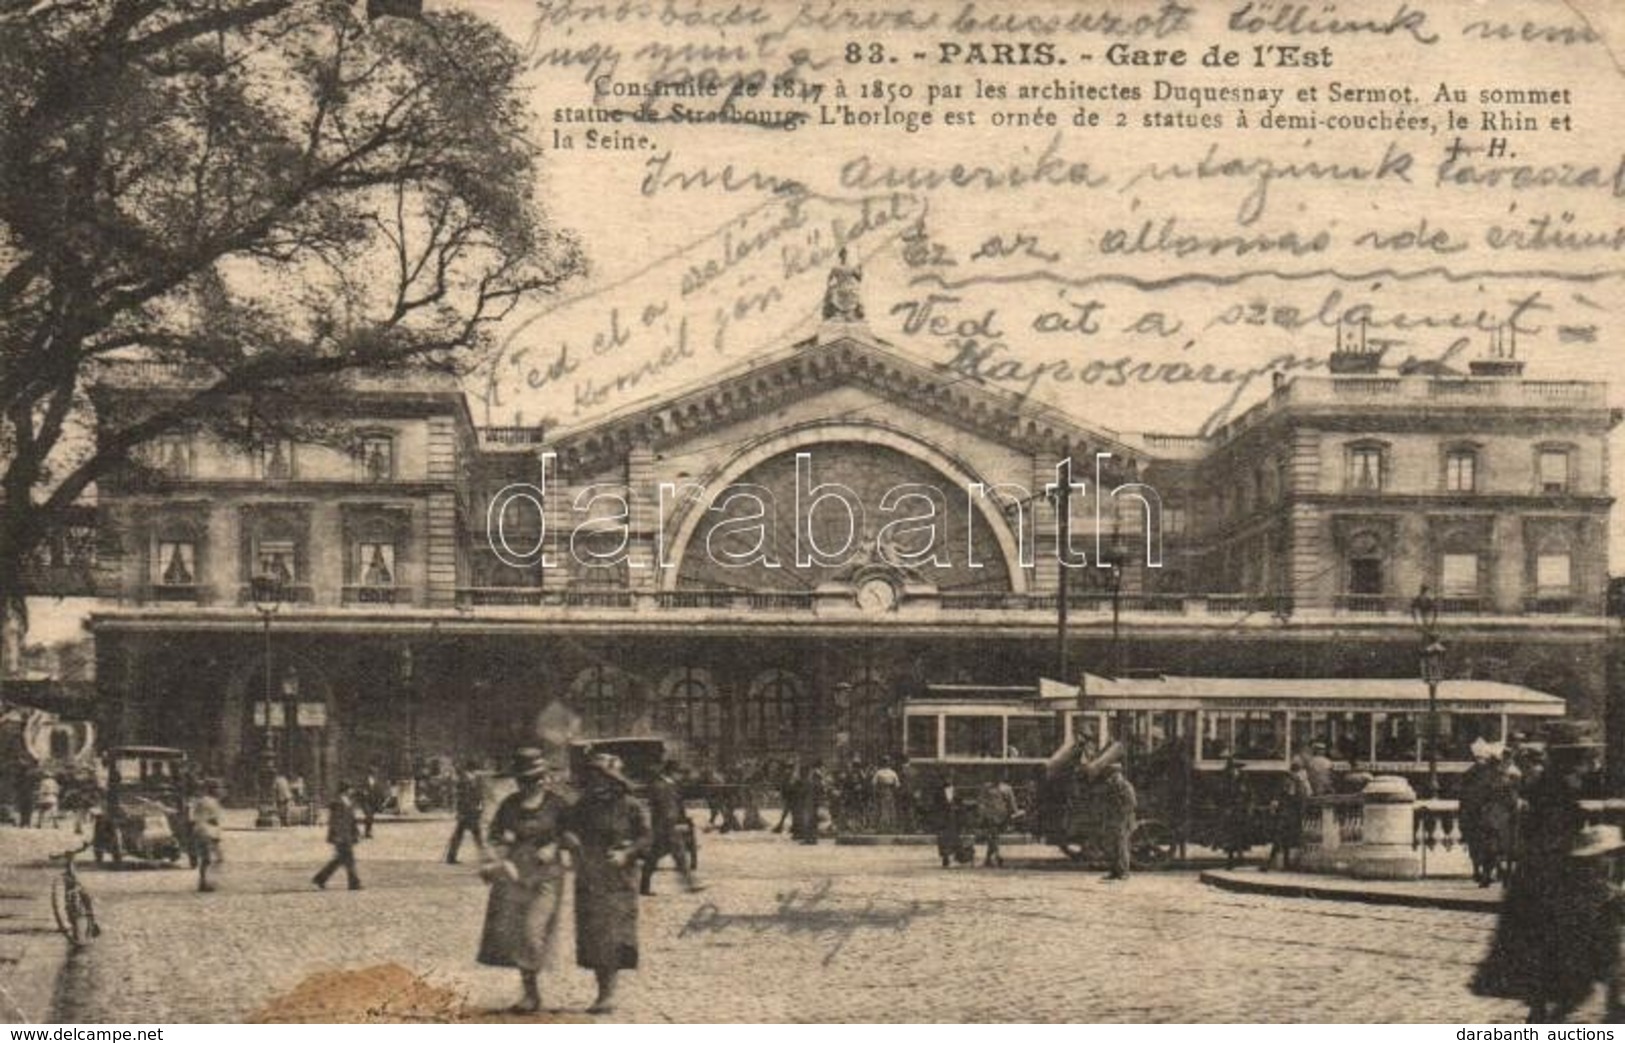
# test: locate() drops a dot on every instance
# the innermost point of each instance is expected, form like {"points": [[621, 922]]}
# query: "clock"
{"points": [[877, 595]]}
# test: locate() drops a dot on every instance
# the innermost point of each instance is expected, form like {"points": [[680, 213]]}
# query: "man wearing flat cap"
{"points": [[609, 829]]}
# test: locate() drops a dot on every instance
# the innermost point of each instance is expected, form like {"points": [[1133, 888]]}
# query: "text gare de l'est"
{"points": [[746, 521], [1215, 56]]}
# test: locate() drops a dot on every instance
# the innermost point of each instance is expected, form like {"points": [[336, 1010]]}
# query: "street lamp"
{"points": [[1425, 613], [407, 790], [268, 592], [1115, 580], [1061, 498]]}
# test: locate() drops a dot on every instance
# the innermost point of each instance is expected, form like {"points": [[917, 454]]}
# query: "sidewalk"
{"points": [[32, 950], [1460, 894]]}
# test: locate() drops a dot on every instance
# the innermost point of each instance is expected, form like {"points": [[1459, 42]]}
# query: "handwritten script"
{"points": [[814, 912]]}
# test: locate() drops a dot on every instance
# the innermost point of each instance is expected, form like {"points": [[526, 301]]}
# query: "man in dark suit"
{"points": [[343, 835], [374, 795], [470, 804], [667, 818]]}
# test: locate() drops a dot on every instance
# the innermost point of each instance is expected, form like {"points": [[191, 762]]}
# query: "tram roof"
{"points": [[1126, 691]]}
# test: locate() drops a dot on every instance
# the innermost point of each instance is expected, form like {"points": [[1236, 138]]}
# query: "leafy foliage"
{"points": [[261, 195]]}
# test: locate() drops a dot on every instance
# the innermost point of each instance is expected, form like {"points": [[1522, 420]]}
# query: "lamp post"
{"points": [[1061, 498], [1115, 579], [268, 593], [407, 789], [1425, 613]]}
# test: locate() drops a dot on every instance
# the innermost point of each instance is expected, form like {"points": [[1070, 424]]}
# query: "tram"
{"points": [[1175, 734]]}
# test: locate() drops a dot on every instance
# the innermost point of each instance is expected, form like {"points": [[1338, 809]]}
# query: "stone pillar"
{"points": [[643, 499], [1386, 851], [1507, 557], [326, 573]]}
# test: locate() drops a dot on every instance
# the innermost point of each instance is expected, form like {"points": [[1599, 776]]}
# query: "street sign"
{"points": [[278, 716], [312, 715]]}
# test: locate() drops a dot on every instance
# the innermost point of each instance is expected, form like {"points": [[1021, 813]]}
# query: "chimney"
{"points": [[1352, 354], [1501, 360]]}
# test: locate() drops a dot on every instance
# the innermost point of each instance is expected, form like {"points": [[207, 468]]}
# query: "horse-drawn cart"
{"points": [[1073, 812]]}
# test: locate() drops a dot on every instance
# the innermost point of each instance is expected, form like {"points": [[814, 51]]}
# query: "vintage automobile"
{"points": [[144, 815], [641, 759]]}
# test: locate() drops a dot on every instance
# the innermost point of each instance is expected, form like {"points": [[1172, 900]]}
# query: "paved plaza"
{"points": [[784, 933]]}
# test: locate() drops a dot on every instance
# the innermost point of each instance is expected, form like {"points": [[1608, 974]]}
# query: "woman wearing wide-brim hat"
{"points": [[525, 869], [1557, 936], [609, 829]]}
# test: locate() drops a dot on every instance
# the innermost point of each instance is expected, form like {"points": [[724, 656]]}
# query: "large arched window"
{"points": [[863, 703], [690, 710], [772, 715], [608, 700], [1365, 571], [1461, 566], [1551, 573], [752, 521]]}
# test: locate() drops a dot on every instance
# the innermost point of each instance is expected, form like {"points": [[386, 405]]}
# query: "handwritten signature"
{"points": [[812, 912]]}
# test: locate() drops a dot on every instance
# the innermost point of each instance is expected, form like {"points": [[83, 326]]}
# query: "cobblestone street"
{"points": [[785, 933]]}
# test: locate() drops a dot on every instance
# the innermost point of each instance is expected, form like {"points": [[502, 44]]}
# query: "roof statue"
{"points": [[841, 300]]}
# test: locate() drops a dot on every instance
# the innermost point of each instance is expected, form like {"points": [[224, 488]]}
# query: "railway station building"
{"points": [[774, 563]]}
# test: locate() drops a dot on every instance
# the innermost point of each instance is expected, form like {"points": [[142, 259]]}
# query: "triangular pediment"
{"points": [[842, 357]]}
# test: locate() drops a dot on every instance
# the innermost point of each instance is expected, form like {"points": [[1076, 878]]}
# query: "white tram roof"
{"points": [[1172, 692]]}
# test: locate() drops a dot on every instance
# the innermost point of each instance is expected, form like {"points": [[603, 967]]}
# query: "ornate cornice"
{"points": [[992, 413]]}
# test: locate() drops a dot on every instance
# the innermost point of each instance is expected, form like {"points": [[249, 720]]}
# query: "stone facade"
{"points": [[708, 577]]}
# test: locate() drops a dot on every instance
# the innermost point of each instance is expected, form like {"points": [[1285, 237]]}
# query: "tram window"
{"points": [[1308, 729], [976, 737], [1261, 736], [1347, 735], [1032, 737], [1351, 737], [922, 738], [1216, 736], [1458, 731], [1396, 737], [1527, 726]]}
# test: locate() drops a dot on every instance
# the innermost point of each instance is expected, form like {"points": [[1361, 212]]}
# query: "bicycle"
{"points": [[71, 903]]}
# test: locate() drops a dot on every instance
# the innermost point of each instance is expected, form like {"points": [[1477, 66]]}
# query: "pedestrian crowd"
{"points": [[1520, 817], [39, 798]]}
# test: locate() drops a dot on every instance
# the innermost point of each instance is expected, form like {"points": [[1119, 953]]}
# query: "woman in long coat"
{"points": [[1289, 808], [1235, 813], [526, 876], [610, 831], [946, 804], [1557, 935]]}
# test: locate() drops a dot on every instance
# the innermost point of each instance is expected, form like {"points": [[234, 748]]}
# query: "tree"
{"points": [[262, 195]]}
